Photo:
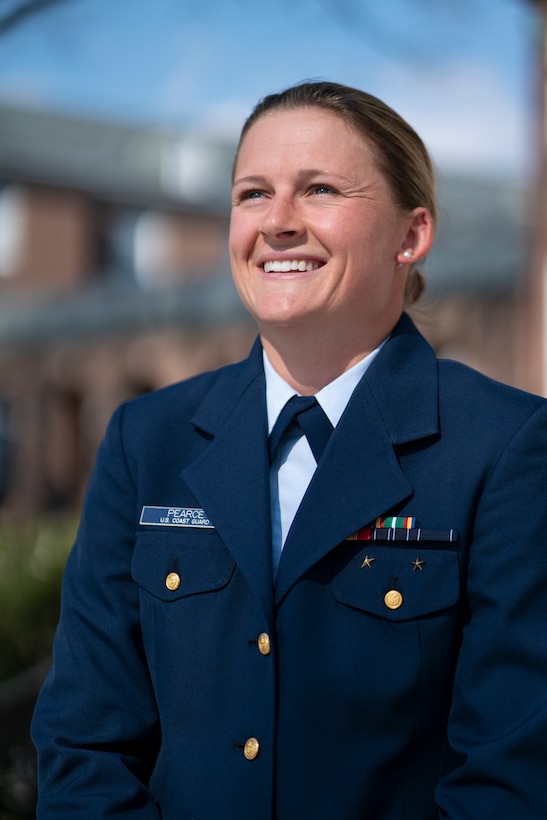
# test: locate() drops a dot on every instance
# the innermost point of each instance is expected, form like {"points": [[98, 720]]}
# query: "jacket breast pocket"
{"points": [[399, 583], [172, 565]]}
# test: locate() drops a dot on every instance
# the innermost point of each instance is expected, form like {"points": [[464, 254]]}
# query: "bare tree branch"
{"points": [[24, 10]]}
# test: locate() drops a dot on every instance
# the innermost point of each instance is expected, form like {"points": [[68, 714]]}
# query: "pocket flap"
{"points": [[399, 583], [172, 565]]}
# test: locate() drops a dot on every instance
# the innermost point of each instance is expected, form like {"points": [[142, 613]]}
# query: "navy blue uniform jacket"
{"points": [[436, 708]]}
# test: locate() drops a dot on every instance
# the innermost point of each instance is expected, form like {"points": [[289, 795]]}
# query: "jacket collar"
{"points": [[359, 478], [228, 390], [403, 382]]}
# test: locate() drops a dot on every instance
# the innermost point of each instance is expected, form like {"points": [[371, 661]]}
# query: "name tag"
{"points": [[175, 517]]}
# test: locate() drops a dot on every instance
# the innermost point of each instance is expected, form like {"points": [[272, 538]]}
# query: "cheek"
{"points": [[239, 262], [243, 231], [236, 237], [233, 244]]}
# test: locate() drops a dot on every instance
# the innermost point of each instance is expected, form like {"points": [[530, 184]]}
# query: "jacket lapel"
{"points": [[231, 476], [359, 477]]}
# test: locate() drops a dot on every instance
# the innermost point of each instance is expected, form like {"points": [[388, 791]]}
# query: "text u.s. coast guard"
{"points": [[174, 517]]}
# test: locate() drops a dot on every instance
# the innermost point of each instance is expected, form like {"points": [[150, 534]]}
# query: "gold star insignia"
{"points": [[367, 562], [418, 564]]}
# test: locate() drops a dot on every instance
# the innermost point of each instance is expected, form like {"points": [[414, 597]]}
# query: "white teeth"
{"points": [[289, 264]]}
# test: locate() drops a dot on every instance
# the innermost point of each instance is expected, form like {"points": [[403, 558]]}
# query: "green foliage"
{"points": [[32, 558]]}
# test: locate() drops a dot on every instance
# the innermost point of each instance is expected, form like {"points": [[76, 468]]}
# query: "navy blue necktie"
{"points": [[310, 416]]}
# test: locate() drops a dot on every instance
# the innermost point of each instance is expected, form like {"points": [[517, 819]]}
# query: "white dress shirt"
{"points": [[293, 464]]}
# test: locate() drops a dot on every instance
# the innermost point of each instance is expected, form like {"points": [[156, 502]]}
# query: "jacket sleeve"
{"points": [[95, 724], [498, 719]]}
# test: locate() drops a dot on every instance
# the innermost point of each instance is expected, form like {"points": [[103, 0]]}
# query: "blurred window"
{"points": [[156, 251], [12, 228]]}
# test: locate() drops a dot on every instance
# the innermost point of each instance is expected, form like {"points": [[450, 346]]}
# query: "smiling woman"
{"points": [[308, 600]]}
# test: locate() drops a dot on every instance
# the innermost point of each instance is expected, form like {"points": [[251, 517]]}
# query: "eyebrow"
{"points": [[258, 179], [307, 173]]}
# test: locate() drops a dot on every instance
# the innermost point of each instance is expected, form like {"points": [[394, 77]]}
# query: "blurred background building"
{"points": [[114, 280]]}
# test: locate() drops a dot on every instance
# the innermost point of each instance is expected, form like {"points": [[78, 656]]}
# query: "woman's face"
{"points": [[315, 234]]}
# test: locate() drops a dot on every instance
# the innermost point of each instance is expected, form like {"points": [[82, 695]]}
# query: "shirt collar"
{"points": [[333, 398]]}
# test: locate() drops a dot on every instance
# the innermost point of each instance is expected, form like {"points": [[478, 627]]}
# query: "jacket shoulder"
{"points": [[461, 381], [469, 399]]}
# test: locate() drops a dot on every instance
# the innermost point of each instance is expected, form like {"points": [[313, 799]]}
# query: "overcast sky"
{"points": [[461, 71]]}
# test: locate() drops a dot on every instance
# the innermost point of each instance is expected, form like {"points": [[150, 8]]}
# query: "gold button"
{"points": [[251, 748], [393, 599], [264, 643], [172, 581]]}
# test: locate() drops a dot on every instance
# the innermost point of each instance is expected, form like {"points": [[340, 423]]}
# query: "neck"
{"points": [[309, 364]]}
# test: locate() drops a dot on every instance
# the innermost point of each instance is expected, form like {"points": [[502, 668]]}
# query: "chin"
{"points": [[282, 319]]}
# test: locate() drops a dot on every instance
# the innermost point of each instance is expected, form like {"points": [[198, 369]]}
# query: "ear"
{"points": [[418, 239]]}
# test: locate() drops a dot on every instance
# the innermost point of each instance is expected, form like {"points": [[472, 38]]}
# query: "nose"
{"points": [[281, 219]]}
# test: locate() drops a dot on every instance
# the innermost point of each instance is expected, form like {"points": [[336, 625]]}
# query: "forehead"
{"points": [[302, 135]]}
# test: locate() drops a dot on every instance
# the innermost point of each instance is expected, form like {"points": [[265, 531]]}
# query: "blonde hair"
{"points": [[399, 152]]}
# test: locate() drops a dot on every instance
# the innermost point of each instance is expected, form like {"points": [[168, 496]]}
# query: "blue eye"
{"points": [[322, 189], [252, 195]]}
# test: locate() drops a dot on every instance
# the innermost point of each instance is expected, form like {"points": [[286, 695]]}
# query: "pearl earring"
{"points": [[407, 255]]}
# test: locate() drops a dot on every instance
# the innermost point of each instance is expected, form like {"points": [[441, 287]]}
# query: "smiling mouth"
{"points": [[290, 264]]}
